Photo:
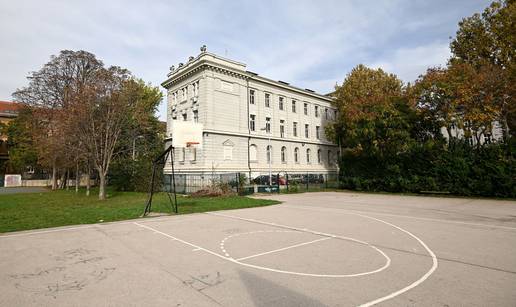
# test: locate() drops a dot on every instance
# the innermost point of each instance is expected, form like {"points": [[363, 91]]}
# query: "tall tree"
{"points": [[108, 108], [370, 118], [489, 39], [51, 91]]}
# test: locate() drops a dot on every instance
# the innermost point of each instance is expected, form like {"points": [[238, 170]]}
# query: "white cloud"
{"points": [[309, 44], [409, 63]]}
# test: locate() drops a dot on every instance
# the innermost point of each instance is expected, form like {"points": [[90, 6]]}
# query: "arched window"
{"points": [[253, 153], [269, 154], [308, 155], [228, 146], [329, 156], [296, 155], [319, 156], [283, 154]]}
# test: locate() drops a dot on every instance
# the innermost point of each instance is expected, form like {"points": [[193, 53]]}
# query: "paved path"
{"points": [[315, 249], [17, 190]]}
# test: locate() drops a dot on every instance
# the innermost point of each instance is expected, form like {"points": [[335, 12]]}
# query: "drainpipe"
{"points": [[248, 130]]}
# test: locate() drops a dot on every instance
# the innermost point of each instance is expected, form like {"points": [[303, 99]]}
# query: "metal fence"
{"points": [[191, 183], [240, 182]]}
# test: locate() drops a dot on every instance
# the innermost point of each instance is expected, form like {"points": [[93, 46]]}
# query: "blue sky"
{"points": [[311, 44]]}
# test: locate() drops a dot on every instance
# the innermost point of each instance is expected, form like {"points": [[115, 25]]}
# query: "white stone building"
{"points": [[247, 120]]}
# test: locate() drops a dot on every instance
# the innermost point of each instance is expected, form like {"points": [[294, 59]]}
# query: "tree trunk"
{"points": [[67, 176], [88, 185], [77, 177], [54, 176], [102, 186], [61, 183]]}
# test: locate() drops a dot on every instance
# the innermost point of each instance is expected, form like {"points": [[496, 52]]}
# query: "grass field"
{"points": [[59, 208]]}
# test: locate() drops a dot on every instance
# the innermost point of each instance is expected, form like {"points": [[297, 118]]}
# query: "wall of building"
{"points": [[223, 106]]}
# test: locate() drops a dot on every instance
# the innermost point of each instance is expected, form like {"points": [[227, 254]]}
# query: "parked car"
{"points": [[264, 180]]}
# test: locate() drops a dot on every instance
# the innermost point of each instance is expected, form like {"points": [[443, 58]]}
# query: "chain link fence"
{"points": [[240, 183]]}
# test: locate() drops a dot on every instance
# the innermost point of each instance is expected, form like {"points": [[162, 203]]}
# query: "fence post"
{"points": [[326, 180], [307, 181], [237, 182], [286, 177], [278, 182]]}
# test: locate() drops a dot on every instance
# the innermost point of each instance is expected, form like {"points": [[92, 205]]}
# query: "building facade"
{"points": [[250, 123]]}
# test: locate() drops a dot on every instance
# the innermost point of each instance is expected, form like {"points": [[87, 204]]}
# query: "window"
{"points": [[308, 155], [253, 153], [185, 117], [305, 108], [181, 155], [174, 97], [296, 155], [329, 157], [487, 139], [281, 100], [183, 94], [319, 156], [283, 154], [293, 106], [268, 124], [251, 96], [282, 128], [196, 116], [317, 132], [196, 89], [316, 109], [193, 153], [294, 128], [326, 113], [269, 154], [307, 132], [252, 122], [228, 153], [267, 100]]}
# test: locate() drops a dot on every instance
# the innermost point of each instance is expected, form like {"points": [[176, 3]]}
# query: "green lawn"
{"points": [[59, 208]]}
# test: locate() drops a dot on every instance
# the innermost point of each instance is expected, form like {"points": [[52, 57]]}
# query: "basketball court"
{"points": [[314, 249]]}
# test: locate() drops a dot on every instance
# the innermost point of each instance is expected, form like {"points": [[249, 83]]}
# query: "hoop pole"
{"points": [[173, 179]]}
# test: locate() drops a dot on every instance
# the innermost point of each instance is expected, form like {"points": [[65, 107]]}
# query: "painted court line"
{"points": [[284, 248], [64, 228], [384, 298], [182, 241], [385, 266], [387, 263], [397, 215]]}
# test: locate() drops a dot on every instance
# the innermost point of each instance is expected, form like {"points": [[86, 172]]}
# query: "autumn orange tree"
{"points": [[369, 116], [487, 42]]}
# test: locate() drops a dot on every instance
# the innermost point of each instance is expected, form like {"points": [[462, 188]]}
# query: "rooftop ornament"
{"points": [[180, 65], [203, 49], [191, 58], [172, 68]]}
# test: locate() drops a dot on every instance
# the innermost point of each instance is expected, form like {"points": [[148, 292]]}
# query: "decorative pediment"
{"points": [[228, 142]]}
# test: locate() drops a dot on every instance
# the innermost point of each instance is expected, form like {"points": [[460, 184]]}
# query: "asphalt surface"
{"points": [[18, 190], [315, 249]]}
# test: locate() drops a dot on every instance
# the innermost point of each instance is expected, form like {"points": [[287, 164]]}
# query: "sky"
{"points": [[310, 44]]}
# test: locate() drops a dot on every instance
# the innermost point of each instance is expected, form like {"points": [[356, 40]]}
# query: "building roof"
{"points": [[237, 67], [8, 108]]}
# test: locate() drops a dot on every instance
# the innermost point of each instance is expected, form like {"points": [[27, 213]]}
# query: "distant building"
{"points": [[250, 122], [8, 112], [495, 134]]}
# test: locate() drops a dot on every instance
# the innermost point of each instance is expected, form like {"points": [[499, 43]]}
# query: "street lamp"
{"points": [[134, 145], [269, 156]]}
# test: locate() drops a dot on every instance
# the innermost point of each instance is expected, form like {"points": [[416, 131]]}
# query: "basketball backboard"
{"points": [[186, 134]]}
